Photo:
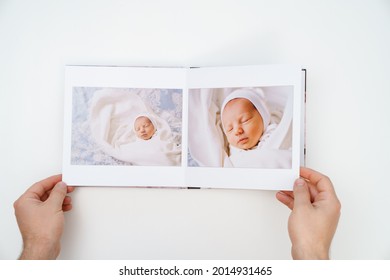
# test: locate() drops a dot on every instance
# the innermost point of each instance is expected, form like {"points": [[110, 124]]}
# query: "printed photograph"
{"points": [[246, 127], [126, 126]]}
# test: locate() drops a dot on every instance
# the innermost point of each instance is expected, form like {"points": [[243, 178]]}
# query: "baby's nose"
{"points": [[239, 130]]}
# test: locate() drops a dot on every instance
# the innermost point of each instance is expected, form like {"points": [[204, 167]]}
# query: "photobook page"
{"points": [[245, 126], [123, 126]]}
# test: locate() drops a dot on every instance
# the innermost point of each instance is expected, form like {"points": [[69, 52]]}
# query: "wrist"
{"points": [[309, 253], [40, 249]]}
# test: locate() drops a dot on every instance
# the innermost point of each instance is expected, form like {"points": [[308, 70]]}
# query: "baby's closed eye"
{"points": [[244, 120]]}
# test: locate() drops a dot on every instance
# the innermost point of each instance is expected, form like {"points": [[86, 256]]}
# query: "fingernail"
{"points": [[300, 182], [61, 185]]}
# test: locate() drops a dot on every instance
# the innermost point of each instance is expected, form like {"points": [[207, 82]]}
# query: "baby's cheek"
{"points": [[230, 139]]}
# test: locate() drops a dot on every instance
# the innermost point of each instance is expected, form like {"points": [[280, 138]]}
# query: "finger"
{"points": [[289, 193], [67, 200], [45, 196], [313, 192], [321, 181], [67, 207], [286, 199], [301, 193], [58, 194], [40, 188], [67, 204]]}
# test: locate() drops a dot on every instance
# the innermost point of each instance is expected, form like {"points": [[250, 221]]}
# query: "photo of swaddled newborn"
{"points": [[241, 127], [119, 126]]}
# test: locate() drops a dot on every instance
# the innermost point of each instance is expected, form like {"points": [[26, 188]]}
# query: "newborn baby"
{"points": [[144, 128], [246, 122]]}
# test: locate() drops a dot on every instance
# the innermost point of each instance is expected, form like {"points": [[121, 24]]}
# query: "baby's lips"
{"points": [[242, 140]]}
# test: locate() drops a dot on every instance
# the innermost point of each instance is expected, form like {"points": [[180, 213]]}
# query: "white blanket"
{"points": [[113, 112], [260, 158], [206, 140]]}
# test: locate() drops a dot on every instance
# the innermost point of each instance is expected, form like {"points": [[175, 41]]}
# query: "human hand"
{"points": [[314, 217], [40, 216]]}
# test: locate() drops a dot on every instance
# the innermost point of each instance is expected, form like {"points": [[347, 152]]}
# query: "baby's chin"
{"points": [[145, 137], [245, 146]]}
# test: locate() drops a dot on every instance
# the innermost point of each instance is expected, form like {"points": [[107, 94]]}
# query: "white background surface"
{"points": [[343, 44]]}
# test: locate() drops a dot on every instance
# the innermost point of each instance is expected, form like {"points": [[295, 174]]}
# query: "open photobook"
{"points": [[235, 127]]}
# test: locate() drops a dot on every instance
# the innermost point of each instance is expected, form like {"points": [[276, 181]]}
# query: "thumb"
{"points": [[57, 195], [301, 193]]}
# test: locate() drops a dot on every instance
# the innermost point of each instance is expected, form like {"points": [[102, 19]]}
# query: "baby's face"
{"points": [[144, 128], [242, 123]]}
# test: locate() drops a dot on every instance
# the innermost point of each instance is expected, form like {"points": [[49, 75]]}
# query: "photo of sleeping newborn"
{"points": [[241, 127], [119, 126]]}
